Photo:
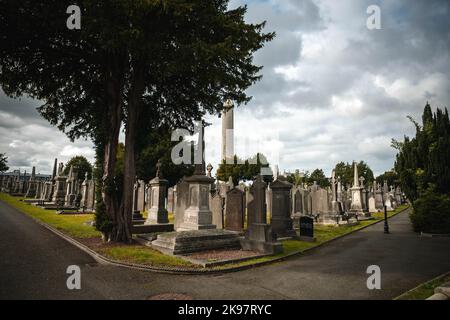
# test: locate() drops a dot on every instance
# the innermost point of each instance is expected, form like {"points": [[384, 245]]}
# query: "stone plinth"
{"points": [[59, 193], [198, 216], [259, 238], [157, 198], [194, 241]]}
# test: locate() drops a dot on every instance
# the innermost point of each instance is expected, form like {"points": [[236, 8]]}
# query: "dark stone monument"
{"points": [[259, 236], [281, 220], [234, 206], [307, 229]]}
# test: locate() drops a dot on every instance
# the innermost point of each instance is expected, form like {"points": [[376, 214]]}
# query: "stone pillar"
{"points": [[386, 196], [32, 185], [336, 207], [84, 192], [364, 195], [59, 194], [227, 131], [198, 215], [71, 187], [259, 236], [356, 191], [157, 199]]}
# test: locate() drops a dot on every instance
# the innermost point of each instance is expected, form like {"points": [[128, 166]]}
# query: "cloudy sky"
{"points": [[332, 90]]}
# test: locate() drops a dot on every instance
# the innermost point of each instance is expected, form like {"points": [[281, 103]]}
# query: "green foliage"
{"points": [[345, 172], [431, 213], [243, 170], [318, 176], [296, 178], [422, 162], [73, 225], [81, 165], [102, 221], [391, 177], [3, 163], [157, 145], [138, 63]]}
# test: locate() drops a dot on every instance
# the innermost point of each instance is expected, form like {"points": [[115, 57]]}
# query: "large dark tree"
{"points": [[169, 61], [155, 146], [422, 161], [318, 176], [81, 165], [243, 170]]}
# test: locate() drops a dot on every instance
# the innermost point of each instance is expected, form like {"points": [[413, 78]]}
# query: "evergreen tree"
{"points": [[3, 162], [422, 161], [81, 165]]}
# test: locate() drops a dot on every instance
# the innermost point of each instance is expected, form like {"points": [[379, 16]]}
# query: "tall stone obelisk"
{"points": [[356, 190], [228, 131]]}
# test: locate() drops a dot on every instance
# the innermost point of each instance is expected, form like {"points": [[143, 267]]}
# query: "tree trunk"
{"points": [[111, 192], [132, 125]]}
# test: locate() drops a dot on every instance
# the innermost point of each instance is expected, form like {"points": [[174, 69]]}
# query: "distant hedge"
{"points": [[431, 213]]}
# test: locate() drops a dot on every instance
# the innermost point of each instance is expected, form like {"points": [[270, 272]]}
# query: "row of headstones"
{"points": [[315, 200], [232, 207], [69, 192], [59, 190]]}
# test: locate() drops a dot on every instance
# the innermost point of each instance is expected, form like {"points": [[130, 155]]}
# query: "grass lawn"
{"points": [[73, 225], [76, 227], [425, 290]]}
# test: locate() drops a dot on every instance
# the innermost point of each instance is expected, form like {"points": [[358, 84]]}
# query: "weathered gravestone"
{"points": [[170, 200], [32, 185], [234, 206], [372, 207], [306, 229], [259, 236], [217, 206], [181, 202], [298, 203]]}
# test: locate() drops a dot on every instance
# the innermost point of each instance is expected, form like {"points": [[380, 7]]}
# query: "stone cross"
{"points": [[361, 181], [209, 169]]}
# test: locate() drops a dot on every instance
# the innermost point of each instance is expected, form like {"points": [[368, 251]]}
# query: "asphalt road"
{"points": [[33, 263]]}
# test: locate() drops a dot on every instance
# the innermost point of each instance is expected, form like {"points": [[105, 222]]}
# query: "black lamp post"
{"points": [[386, 225]]}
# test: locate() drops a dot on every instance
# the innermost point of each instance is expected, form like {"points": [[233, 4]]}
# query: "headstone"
{"points": [[372, 207], [59, 193], [379, 205], [141, 196], [217, 209], [157, 214], [259, 236], [306, 228], [170, 200], [32, 185], [181, 202], [298, 203], [281, 220], [386, 196], [234, 206], [71, 188]]}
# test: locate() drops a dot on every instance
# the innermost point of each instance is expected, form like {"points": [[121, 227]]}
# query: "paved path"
{"points": [[33, 262]]}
